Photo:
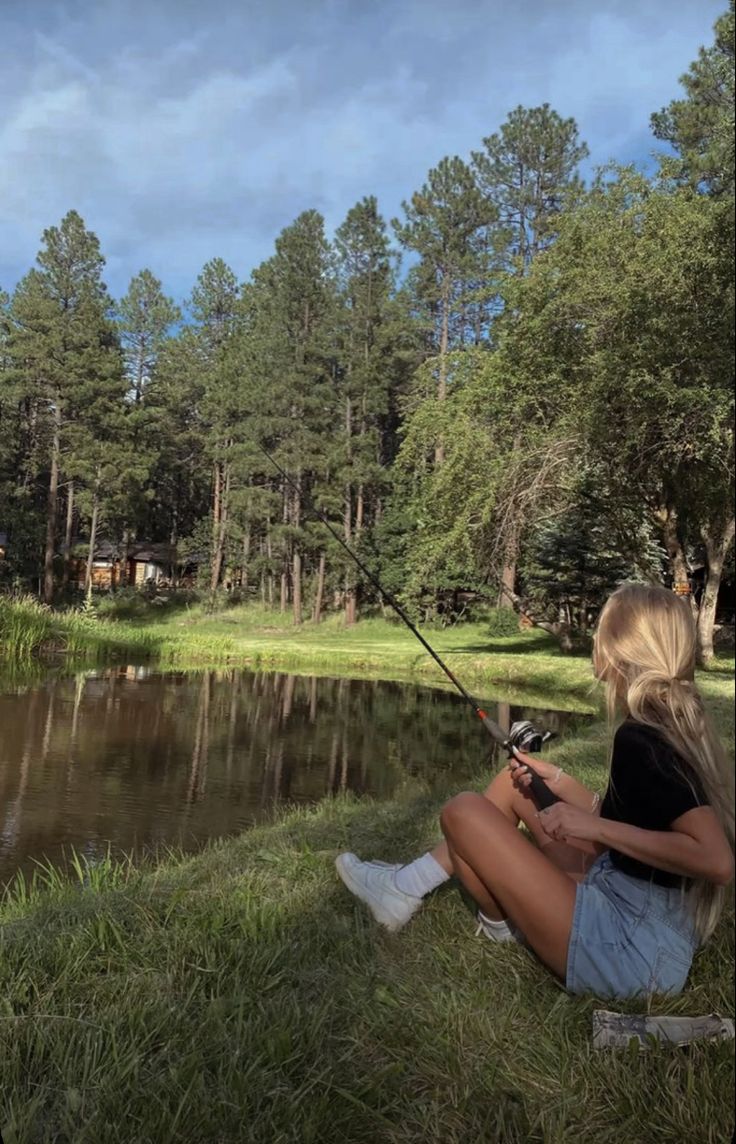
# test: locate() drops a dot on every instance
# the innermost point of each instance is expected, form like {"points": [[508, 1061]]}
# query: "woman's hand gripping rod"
{"points": [[540, 792], [538, 788]]}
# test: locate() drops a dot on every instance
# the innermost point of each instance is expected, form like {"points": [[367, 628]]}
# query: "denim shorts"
{"points": [[629, 937]]}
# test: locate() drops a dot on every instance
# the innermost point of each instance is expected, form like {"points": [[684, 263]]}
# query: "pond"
{"points": [[136, 759]]}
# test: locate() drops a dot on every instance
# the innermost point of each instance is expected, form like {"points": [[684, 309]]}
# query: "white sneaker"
{"points": [[493, 930], [375, 884]]}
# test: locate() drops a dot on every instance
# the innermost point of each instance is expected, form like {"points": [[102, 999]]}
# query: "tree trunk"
{"points": [[125, 558], [91, 553], [296, 573], [359, 510], [508, 585], [269, 555], [246, 558], [173, 541], [716, 548], [317, 612], [67, 546], [348, 521], [667, 518], [51, 509], [222, 487], [297, 586], [216, 509]]}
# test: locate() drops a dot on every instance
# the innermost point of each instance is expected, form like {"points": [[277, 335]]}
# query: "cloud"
{"points": [[182, 132]]}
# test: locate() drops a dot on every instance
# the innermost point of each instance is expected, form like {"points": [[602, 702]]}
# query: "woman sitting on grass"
{"points": [[616, 896]]}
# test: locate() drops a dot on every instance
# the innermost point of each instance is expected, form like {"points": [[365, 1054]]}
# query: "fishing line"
{"points": [[521, 735]]}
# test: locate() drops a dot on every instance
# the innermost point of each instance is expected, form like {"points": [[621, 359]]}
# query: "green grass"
{"points": [[243, 995], [180, 634], [29, 629], [526, 663]]}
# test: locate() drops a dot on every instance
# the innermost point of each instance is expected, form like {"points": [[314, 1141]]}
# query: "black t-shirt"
{"points": [[650, 786]]}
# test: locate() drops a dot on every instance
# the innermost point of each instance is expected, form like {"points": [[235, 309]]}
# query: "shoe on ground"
{"points": [[495, 932], [375, 884]]}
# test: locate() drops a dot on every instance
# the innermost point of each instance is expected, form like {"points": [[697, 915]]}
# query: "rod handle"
{"points": [[540, 792]]}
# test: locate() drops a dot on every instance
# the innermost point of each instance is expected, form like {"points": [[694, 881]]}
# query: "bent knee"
{"points": [[459, 808]]}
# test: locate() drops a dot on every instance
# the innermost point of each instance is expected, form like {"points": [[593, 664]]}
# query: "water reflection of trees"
{"points": [[139, 758]]}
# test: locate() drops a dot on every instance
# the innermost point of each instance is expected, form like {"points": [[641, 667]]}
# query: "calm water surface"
{"points": [[134, 758]]}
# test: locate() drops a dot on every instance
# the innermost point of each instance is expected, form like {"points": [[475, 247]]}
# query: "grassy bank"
{"points": [[242, 995], [29, 630], [527, 664]]}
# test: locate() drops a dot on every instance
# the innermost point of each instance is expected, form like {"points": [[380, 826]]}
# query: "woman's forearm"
{"points": [[570, 790], [670, 850]]}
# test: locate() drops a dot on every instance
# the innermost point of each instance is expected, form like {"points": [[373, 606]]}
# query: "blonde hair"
{"points": [[644, 653]]}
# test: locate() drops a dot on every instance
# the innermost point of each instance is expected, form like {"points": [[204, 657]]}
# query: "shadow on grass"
{"points": [[503, 646]]}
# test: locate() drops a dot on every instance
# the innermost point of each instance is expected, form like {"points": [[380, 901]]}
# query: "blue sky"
{"points": [[184, 130]]}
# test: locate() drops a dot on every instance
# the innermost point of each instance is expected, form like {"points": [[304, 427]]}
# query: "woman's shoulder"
{"points": [[644, 743], [649, 745], [631, 731]]}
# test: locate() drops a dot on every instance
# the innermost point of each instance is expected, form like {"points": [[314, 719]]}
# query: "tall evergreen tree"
{"points": [[293, 352], [215, 307], [529, 171], [367, 367], [63, 343], [144, 318], [441, 222], [700, 127]]}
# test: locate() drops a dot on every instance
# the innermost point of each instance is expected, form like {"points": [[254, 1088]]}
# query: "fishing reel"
{"points": [[524, 736]]}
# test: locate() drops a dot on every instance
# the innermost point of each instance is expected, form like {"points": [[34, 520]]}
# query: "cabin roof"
{"points": [[147, 553]]}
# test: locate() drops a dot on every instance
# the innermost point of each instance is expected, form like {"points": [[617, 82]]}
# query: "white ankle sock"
{"points": [[421, 876], [498, 929]]}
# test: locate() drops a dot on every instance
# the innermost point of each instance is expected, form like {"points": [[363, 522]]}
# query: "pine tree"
{"points": [[144, 318], [528, 170], [292, 350], [368, 369], [215, 307], [700, 127], [442, 220], [576, 557], [62, 342]]}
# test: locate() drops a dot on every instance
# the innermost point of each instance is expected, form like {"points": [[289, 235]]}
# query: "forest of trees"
{"points": [[522, 387]]}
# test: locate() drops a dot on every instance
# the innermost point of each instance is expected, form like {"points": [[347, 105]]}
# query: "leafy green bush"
{"points": [[502, 622]]}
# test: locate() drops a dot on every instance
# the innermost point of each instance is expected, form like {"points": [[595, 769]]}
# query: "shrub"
{"points": [[502, 622]]}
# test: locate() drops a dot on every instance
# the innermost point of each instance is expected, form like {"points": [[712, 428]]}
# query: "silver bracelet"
{"points": [[596, 800]]}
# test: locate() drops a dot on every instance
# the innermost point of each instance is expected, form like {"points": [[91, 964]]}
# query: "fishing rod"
{"points": [[522, 736]]}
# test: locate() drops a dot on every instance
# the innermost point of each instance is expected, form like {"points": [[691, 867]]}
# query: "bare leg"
{"points": [[509, 877], [517, 806]]}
